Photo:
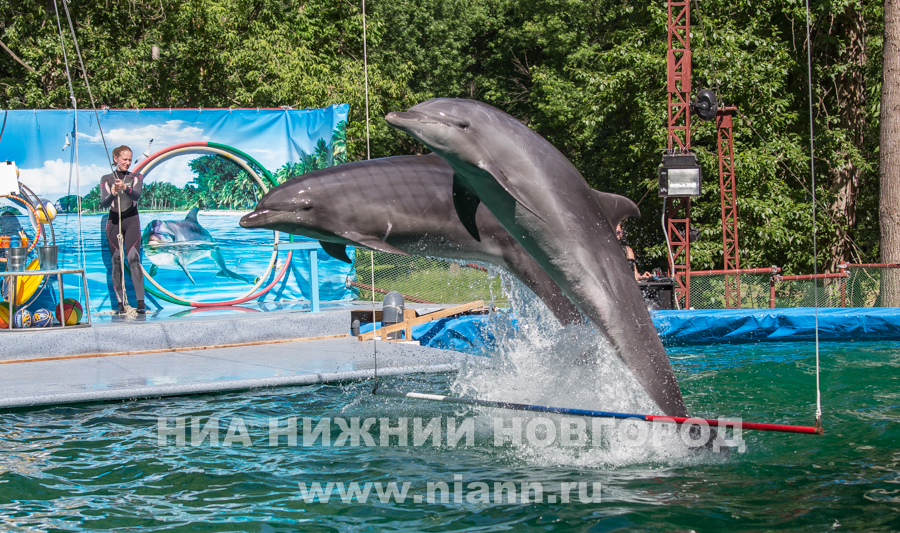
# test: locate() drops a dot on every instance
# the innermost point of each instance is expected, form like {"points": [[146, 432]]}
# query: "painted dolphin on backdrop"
{"points": [[545, 203], [180, 243], [401, 205]]}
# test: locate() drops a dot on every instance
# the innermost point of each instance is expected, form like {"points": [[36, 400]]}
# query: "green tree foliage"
{"points": [[164, 196], [91, 201], [221, 183], [67, 204], [587, 74]]}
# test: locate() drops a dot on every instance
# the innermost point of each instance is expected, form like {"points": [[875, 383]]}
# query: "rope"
{"points": [[62, 44], [82, 258], [130, 312], [812, 172]]}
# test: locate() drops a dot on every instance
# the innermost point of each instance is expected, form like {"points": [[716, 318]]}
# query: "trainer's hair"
{"points": [[118, 151]]}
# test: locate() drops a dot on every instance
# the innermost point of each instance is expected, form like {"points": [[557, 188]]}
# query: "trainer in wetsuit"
{"points": [[126, 186]]}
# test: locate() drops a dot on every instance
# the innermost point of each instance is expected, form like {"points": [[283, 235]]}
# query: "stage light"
{"points": [[679, 176]]}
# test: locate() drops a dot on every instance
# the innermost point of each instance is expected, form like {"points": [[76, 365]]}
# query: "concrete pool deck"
{"points": [[119, 377], [88, 364]]}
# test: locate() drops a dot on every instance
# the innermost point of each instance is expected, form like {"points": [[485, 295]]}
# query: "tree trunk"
{"points": [[851, 100], [889, 164]]}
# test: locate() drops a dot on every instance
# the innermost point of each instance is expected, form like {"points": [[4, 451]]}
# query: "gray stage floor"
{"points": [[116, 377]]}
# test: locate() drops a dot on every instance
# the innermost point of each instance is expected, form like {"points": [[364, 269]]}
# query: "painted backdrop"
{"points": [[286, 143]]}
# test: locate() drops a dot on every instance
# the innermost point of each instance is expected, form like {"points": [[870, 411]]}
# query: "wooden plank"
{"points": [[383, 331], [408, 314]]}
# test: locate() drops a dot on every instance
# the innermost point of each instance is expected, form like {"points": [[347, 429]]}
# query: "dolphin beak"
{"points": [[399, 118], [257, 219]]}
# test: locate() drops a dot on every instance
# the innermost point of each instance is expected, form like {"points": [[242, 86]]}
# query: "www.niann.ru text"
{"points": [[454, 492]]}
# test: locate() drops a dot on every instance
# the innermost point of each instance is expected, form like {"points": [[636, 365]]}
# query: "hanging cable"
{"points": [[86, 82], [81, 257], [669, 248], [369, 156], [128, 309], [812, 172]]}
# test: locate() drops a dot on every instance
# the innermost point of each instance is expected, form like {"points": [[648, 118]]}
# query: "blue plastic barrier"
{"points": [[473, 334]]}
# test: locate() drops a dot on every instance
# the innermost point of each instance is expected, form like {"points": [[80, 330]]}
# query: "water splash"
{"points": [[538, 361]]}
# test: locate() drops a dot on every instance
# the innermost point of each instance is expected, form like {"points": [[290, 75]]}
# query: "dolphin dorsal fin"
{"points": [[616, 208], [192, 214]]}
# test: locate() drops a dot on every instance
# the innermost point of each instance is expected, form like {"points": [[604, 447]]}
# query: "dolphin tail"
{"points": [[225, 273], [223, 270]]}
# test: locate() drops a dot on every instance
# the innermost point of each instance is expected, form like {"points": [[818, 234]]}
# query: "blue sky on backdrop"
{"points": [[36, 140]]}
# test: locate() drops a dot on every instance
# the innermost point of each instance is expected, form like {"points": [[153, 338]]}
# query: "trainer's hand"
{"points": [[118, 186]]}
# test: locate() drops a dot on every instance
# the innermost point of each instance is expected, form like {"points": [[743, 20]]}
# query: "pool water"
{"points": [[100, 467]]}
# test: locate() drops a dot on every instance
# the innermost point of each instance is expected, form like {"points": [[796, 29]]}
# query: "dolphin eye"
{"points": [[306, 208]]}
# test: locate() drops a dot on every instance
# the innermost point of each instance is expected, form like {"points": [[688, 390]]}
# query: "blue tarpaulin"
{"points": [[473, 334], [796, 324]]}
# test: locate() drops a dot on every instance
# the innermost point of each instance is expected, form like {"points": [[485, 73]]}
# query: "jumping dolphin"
{"points": [[170, 243], [545, 203], [402, 205]]}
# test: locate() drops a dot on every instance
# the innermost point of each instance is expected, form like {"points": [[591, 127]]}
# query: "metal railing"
{"points": [[853, 285]]}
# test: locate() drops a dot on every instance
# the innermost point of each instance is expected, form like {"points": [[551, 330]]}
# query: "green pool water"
{"points": [[100, 466]]}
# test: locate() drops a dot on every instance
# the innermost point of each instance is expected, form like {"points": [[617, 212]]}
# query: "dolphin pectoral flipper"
{"points": [[466, 204], [373, 243], [184, 267], [504, 182], [336, 250], [616, 208]]}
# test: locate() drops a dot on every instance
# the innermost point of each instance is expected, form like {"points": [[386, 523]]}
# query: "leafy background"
{"points": [[587, 74]]}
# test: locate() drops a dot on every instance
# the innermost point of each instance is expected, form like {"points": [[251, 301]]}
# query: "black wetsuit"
{"points": [[131, 229]]}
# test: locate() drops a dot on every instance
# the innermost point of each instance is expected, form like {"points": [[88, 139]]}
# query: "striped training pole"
{"points": [[602, 414]]}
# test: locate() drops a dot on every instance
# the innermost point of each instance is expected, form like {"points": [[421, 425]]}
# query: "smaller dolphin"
{"points": [[404, 205], [169, 243]]}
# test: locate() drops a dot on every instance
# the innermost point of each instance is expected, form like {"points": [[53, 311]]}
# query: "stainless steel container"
{"points": [[47, 257], [16, 258]]}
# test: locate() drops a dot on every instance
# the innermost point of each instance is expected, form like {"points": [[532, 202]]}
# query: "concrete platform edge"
{"points": [[169, 335], [220, 386]]}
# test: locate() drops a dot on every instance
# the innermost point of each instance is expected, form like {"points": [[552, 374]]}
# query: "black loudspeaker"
{"points": [[659, 294]]}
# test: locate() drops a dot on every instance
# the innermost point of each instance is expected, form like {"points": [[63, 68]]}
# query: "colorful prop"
{"points": [[37, 227], [22, 319], [601, 414], [242, 160], [26, 286], [72, 310], [46, 213], [41, 319], [4, 315]]}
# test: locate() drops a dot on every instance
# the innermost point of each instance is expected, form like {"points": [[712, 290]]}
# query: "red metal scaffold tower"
{"points": [[678, 216], [728, 189]]}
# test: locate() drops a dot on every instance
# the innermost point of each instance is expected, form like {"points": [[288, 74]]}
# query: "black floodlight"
{"points": [[679, 176]]}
